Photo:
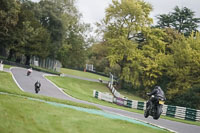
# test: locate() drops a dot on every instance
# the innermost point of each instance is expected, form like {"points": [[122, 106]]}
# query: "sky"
{"points": [[94, 10]]}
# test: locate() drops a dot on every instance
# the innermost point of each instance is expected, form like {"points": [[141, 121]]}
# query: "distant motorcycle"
{"points": [[37, 87], [29, 71], [154, 109]]}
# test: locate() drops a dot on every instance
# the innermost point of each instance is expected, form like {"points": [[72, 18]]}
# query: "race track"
{"points": [[26, 83]]}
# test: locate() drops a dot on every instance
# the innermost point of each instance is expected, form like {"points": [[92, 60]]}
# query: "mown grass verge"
{"points": [[7, 66], [22, 115], [83, 74]]}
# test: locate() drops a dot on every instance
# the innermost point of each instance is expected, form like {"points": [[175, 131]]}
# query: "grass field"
{"points": [[130, 95], [23, 115], [83, 74]]}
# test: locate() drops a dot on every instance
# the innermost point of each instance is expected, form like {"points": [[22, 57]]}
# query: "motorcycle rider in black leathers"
{"points": [[37, 86], [157, 92]]}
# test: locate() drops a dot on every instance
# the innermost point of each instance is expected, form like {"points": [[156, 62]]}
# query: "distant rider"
{"points": [[37, 86], [29, 71]]}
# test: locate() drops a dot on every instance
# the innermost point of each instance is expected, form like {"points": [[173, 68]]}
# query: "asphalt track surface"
{"points": [[26, 83]]}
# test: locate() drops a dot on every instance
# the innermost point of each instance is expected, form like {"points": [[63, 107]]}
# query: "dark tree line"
{"points": [[50, 28]]}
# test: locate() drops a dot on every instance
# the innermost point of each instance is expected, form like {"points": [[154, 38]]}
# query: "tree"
{"points": [[97, 56], [50, 16], [124, 20], [183, 20], [68, 41], [59, 17], [184, 71], [73, 52], [9, 10], [31, 39]]}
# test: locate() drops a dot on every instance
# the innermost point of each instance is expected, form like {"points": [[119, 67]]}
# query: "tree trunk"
{"points": [[18, 60], [28, 58], [3, 52], [122, 65], [11, 54]]}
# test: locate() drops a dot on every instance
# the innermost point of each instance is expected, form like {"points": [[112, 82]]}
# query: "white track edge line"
{"points": [[15, 79], [56, 85]]}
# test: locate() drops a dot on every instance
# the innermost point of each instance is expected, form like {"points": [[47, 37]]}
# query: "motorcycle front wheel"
{"points": [[157, 112]]}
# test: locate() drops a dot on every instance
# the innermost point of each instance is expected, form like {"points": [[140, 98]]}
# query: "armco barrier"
{"points": [[113, 90], [116, 94], [128, 103], [168, 110], [164, 109], [96, 94], [190, 114], [103, 96], [134, 104], [106, 97], [119, 101], [141, 105], [171, 110], [181, 112]]}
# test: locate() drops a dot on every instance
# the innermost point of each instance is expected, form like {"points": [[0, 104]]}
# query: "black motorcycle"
{"points": [[154, 109], [37, 87]]}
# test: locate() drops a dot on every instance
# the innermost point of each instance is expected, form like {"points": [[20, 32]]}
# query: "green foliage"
{"points": [[186, 62], [67, 34], [9, 10], [124, 20], [97, 57], [31, 38], [44, 29], [163, 56], [50, 16], [75, 51], [144, 67], [182, 20], [189, 98]]}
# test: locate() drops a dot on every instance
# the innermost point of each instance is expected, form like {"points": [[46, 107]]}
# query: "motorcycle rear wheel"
{"points": [[37, 90], [146, 113]]}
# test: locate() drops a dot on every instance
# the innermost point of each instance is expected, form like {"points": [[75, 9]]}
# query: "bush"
{"points": [[188, 98]]}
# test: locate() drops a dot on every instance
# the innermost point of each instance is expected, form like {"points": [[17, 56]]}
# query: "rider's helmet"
{"points": [[157, 87]]}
